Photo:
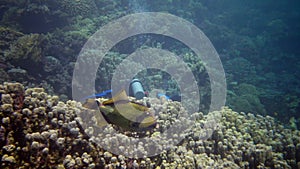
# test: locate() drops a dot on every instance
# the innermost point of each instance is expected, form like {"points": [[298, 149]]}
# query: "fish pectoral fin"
{"points": [[147, 122], [149, 119], [105, 110]]}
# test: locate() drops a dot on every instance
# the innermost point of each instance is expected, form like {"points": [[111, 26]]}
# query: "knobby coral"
{"points": [[37, 130]]}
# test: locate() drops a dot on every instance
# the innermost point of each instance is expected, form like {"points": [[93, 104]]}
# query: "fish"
{"points": [[124, 113], [105, 93]]}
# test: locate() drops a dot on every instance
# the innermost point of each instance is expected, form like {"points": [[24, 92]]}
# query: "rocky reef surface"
{"points": [[39, 131]]}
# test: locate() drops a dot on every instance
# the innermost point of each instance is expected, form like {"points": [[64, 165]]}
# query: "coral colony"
{"points": [[40, 131]]}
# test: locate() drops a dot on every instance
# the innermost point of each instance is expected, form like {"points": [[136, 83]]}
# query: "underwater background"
{"points": [[258, 43]]}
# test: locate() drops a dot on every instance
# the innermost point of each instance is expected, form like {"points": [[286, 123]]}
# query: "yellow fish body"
{"points": [[124, 113]]}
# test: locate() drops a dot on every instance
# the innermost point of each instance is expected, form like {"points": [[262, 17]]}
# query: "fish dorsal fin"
{"points": [[119, 97]]}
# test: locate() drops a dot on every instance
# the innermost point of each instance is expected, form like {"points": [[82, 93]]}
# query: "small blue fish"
{"points": [[105, 93]]}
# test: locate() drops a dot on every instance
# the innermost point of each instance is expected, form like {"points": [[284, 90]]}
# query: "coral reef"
{"points": [[256, 50], [38, 131], [23, 59], [239, 67], [4, 76], [246, 98], [79, 7], [27, 47], [7, 36]]}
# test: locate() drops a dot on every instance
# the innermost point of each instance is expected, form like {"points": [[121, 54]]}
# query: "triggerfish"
{"points": [[124, 113]]}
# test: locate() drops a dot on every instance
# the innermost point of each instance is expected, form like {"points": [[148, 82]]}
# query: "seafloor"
{"points": [[39, 131]]}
